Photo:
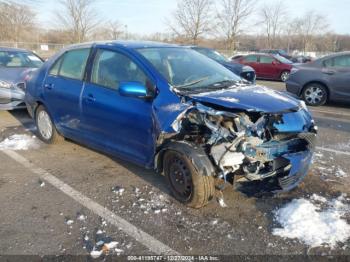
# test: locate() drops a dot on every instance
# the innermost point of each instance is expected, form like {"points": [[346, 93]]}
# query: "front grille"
{"points": [[288, 181], [310, 138], [250, 76]]}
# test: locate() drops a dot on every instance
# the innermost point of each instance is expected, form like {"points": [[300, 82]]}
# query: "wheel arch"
{"points": [[196, 154]]}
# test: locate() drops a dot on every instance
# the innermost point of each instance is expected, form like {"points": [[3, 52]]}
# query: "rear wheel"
{"points": [[284, 76], [315, 94], [46, 129], [186, 184]]}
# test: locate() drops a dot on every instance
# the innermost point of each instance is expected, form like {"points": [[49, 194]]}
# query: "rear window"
{"points": [[340, 61], [251, 58], [266, 59], [16, 59], [73, 64]]}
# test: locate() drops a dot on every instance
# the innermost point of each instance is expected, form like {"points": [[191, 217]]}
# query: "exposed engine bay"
{"points": [[253, 145]]}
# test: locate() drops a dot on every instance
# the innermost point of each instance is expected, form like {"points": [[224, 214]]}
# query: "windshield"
{"points": [[211, 54], [283, 59], [14, 59], [184, 68]]}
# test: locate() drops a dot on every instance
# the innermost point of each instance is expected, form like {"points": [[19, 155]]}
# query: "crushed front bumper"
{"points": [[12, 98], [300, 164]]}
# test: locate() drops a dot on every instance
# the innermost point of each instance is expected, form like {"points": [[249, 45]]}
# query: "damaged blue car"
{"points": [[171, 109]]}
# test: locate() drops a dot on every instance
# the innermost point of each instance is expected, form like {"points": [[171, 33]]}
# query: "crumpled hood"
{"points": [[13, 75], [249, 98]]}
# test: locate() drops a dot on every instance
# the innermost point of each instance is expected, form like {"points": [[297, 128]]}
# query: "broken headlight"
{"points": [[4, 84]]}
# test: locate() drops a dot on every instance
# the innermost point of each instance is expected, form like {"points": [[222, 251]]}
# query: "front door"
{"points": [[338, 74], [114, 122]]}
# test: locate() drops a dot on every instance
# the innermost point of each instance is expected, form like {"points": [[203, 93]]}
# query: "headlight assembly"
{"points": [[4, 84]]}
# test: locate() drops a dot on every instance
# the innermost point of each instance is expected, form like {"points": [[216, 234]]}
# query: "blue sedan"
{"points": [[171, 109]]}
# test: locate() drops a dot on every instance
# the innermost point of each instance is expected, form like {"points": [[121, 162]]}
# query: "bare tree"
{"points": [[231, 16], [79, 17], [111, 30], [115, 29], [309, 26], [192, 19], [16, 21], [272, 18]]}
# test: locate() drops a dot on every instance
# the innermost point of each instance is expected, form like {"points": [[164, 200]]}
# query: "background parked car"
{"points": [[301, 59], [246, 72], [325, 79], [268, 66], [279, 52], [15, 64]]}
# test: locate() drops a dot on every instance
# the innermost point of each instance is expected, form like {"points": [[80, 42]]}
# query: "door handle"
{"points": [[49, 86], [329, 72], [90, 98]]}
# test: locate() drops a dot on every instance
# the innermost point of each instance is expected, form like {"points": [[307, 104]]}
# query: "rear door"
{"points": [[116, 123], [337, 70], [62, 89], [268, 67]]}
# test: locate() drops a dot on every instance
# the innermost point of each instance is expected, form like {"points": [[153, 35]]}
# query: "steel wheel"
{"points": [[45, 125], [180, 178], [186, 184], [315, 95]]}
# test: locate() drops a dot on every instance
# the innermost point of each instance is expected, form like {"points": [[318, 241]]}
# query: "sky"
{"points": [[149, 16]]}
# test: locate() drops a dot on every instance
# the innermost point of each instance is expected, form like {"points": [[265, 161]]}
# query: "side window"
{"points": [[328, 62], [110, 68], [266, 59], [251, 58], [73, 64], [56, 66], [342, 61]]}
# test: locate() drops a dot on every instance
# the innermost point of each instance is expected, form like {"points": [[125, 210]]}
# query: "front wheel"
{"points": [[46, 129], [186, 184], [284, 76], [315, 94]]}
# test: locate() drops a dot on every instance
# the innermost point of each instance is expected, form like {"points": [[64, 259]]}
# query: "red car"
{"points": [[268, 66]]}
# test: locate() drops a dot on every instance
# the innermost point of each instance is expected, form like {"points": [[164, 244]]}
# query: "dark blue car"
{"points": [[244, 71], [172, 109]]}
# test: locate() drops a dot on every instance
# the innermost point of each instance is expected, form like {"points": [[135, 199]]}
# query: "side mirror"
{"points": [[134, 89], [274, 62]]}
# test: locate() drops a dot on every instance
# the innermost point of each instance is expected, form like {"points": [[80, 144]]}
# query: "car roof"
{"points": [[336, 54], [12, 49], [127, 44], [198, 47]]}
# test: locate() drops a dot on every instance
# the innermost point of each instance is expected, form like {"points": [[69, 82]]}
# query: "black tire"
{"points": [[55, 137], [320, 89], [284, 76], [196, 190]]}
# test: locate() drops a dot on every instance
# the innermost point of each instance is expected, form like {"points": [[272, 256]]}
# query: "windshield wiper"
{"points": [[193, 82], [224, 83]]}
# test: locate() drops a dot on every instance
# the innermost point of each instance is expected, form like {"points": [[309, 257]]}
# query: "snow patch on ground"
{"points": [[19, 142], [315, 221], [327, 170]]}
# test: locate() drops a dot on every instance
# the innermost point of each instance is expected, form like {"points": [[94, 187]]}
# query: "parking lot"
{"points": [[66, 198]]}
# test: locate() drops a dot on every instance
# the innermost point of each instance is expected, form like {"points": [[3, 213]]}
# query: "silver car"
{"points": [[15, 65]]}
